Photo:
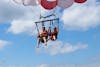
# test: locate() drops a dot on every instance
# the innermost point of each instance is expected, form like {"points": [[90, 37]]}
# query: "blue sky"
{"points": [[78, 43]]}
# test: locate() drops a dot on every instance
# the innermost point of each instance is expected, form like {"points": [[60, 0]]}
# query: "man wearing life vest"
{"points": [[43, 37]]}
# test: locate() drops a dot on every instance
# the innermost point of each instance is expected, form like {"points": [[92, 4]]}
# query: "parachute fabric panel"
{"points": [[65, 3], [30, 2], [48, 4], [80, 1], [19, 1], [27, 2]]}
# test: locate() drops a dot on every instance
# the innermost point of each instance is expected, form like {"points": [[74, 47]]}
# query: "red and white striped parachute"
{"points": [[49, 4]]}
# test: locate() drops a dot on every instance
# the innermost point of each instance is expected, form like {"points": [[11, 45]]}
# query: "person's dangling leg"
{"points": [[45, 41], [38, 43], [54, 38]]}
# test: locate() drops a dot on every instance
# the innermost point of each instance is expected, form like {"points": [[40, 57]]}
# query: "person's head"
{"points": [[55, 29], [43, 28]]}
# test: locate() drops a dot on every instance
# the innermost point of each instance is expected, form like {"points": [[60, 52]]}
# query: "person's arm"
{"points": [[57, 30]]}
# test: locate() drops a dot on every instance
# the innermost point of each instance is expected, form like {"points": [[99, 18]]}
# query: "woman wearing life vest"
{"points": [[53, 35]]}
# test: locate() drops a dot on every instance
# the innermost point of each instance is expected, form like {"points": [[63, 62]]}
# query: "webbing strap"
{"points": [[37, 28]]}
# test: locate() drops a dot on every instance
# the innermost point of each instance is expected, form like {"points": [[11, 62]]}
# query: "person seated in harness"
{"points": [[53, 35], [43, 37]]}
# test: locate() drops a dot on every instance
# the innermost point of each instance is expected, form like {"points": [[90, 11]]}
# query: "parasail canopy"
{"points": [[49, 4]]}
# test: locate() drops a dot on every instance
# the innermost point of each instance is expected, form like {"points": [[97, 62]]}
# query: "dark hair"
{"points": [[55, 28], [43, 28]]}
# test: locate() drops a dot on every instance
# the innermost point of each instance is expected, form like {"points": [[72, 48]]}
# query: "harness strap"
{"points": [[37, 28]]}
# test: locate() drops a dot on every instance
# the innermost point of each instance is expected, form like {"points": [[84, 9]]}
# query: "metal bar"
{"points": [[47, 20], [42, 24], [47, 16], [58, 24]]}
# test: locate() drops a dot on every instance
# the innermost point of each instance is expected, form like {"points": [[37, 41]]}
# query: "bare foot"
{"points": [[37, 46]]}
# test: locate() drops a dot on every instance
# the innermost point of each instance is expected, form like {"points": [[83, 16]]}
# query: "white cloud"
{"points": [[60, 65], [58, 47], [95, 58], [8, 12], [22, 26], [95, 64], [3, 44], [81, 65], [42, 65], [82, 16], [16, 66], [20, 17]]}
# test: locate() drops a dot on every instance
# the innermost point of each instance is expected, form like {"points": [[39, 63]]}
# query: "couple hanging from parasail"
{"points": [[45, 35]]}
